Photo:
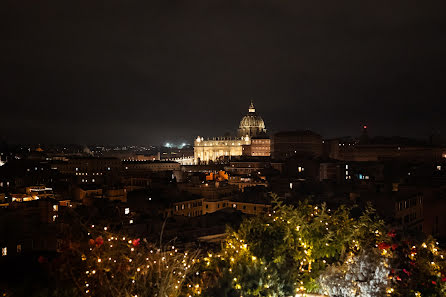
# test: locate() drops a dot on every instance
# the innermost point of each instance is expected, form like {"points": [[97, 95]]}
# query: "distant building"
{"points": [[83, 192], [259, 147], [330, 148], [247, 167], [434, 212], [381, 148], [409, 211], [243, 182], [251, 141], [90, 166], [251, 124], [331, 171], [33, 193], [385, 152], [202, 206], [132, 183], [219, 148], [88, 193], [211, 190], [116, 194], [29, 226], [296, 143], [155, 166]]}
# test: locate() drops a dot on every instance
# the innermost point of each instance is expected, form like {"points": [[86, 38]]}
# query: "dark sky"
{"points": [[146, 72]]}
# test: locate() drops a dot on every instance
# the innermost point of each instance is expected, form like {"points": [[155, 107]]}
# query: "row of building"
{"points": [[228, 177], [252, 140]]}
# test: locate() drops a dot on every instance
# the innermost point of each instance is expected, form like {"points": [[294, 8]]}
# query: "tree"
{"points": [[418, 268], [285, 252], [115, 265]]}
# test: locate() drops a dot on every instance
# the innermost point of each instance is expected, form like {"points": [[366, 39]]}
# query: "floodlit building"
{"points": [[251, 141], [260, 147], [219, 148], [251, 124]]}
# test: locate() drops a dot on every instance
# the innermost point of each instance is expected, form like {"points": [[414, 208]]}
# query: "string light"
{"points": [[237, 250]]}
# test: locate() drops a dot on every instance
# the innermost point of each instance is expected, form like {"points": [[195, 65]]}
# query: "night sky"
{"points": [[147, 72]]}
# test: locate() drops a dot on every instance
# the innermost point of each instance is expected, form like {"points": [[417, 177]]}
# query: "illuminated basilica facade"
{"points": [[251, 133]]}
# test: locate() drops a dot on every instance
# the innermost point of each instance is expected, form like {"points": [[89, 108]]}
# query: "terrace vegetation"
{"points": [[293, 251]]}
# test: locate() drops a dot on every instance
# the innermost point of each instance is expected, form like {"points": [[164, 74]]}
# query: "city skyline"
{"points": [[223, 148], [185, 141], [154, 72]]}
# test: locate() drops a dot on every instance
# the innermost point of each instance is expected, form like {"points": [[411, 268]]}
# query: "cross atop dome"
{"points": [[251, 107]]}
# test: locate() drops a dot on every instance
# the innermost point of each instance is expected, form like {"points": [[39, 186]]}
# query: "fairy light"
{"points": [[238, 249]]}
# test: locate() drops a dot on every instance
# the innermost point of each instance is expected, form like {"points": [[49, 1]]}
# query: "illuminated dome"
{"points": [[251, 124]]}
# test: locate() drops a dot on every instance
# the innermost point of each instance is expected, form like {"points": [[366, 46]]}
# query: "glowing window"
{"points": [[4, 251], [126, 210]]}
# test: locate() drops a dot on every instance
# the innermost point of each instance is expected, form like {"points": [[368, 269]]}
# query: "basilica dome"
{"points": [[251, 124]]}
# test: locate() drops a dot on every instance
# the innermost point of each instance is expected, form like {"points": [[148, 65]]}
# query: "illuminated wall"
{"points": [[218, 148], [261, 147]]}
